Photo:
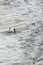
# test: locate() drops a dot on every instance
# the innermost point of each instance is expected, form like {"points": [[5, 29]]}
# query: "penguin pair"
{"points": [[13, 30]]}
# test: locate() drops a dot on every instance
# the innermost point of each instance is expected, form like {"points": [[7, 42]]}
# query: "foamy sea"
{"points": [[25, 47]]}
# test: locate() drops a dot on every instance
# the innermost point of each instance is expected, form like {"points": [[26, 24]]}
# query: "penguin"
{"points": [[14, 30], [9, 29]]}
